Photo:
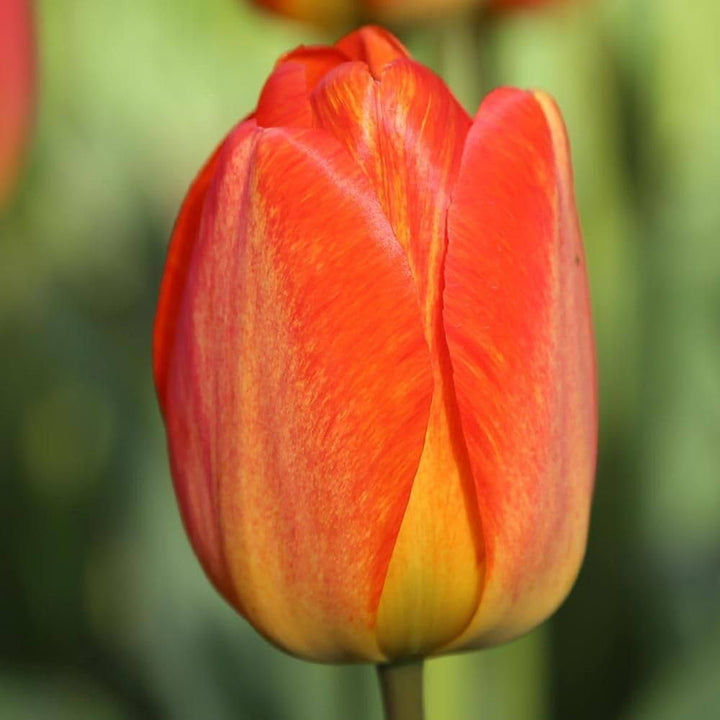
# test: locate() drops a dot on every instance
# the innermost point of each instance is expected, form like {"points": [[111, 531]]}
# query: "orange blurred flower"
{"points": [[499, 5], [17, 88], [338, 12], [374, 358]]}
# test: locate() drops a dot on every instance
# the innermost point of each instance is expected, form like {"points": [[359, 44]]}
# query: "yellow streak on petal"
{"points": [[431, 587]]}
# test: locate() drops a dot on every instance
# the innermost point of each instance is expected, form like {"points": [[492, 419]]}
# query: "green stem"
{"points": [[401, 686]]}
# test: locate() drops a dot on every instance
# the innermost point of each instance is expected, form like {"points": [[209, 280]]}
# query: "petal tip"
{"points": [[374, 46]]}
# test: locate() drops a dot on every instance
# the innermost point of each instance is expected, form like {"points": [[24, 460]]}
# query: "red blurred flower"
{"points": [[374, 357], [17, 88]]}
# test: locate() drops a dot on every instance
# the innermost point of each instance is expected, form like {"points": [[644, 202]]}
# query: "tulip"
{"points": [[502, 5], [339, 12], [374, 357], [17, 83]]}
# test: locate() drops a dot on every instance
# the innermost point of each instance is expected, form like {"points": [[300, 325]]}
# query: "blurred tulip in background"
{"points": [[375, 361], [344, 12], [17, 88], [498, 5]]}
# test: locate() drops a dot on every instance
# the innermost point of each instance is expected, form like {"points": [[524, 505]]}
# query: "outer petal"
{"points": [[177, 264], [299, 390], [17, 87], [518, 327], [192, 472], [407, 133]]}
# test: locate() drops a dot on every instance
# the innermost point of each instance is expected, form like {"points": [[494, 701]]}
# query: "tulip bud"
{"points": [[17, 82], [374, 357]]}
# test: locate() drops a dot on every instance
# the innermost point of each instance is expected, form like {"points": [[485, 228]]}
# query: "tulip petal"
{"points": [[17, 88], [373, 46], [318, 60], [193, 478], [407, 132], [302, 381], [177, 263], [284, 100], [518, 328], [433, 581]]}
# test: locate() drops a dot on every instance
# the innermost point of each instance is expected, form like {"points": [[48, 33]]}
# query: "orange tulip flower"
{"points": [[374, 358], [17, 88]]}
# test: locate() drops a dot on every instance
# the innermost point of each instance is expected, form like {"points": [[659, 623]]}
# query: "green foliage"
{"points": [[105, 612]]}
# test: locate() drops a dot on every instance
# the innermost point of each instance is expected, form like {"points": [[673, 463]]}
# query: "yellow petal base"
{"points": [[432, 584]]}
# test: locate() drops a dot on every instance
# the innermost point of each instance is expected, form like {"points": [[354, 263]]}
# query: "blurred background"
{"points": [[104, 611]]}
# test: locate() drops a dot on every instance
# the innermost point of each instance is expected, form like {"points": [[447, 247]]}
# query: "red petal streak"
{"points": [[520, 339], [374, 46], [305, 385]]}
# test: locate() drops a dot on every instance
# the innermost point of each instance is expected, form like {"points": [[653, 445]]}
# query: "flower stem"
{"points": [[401, 685]]}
